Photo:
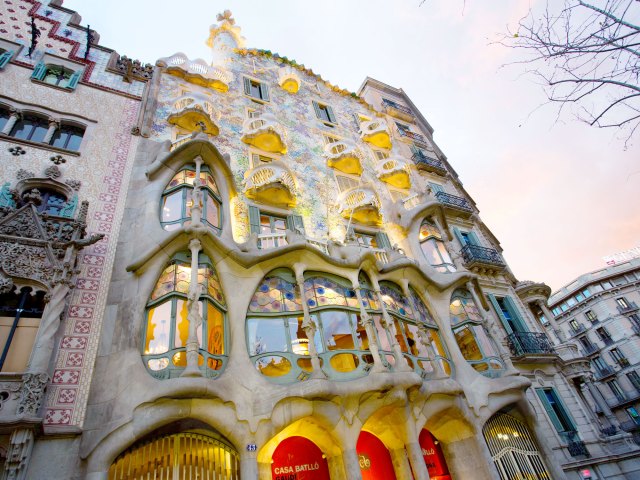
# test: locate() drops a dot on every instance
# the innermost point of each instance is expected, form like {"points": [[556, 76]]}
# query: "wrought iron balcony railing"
{"points": [[397, 106], [607, 340], [589, 349], [579, 329], [577, 448], [610, 431], [454, 201], [472, 254], [631, 306], [630, 426], [416, 137], [636, 329], [529, 343], [425, 162], [604, 372]]}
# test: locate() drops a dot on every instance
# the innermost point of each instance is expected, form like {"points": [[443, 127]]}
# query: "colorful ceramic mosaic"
{"points": [[275, 295], [177, 278], [422, 312], [394, 300], [322, 292]]}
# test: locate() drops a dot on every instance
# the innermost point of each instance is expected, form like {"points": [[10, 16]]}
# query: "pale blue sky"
{"points": [[558, 195]]}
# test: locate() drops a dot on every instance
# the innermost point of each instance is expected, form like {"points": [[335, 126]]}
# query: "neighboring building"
{"points": [[302, 286], [599, 311]]}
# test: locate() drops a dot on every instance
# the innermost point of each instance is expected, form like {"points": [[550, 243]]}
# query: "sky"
{"points": [[559, 195]]}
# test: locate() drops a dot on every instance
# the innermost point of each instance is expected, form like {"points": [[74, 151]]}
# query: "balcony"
{"points": [[396, 110], [523, 344], [589, 349], [636, 329], [394, 171], [454, 203], [343, 156], [607, 340], [361, 204], [271, 183], [288, 79], [624, 399], [631, 307], [264, 132], [428, 164], [197, 72], [609, 431], [578, 329], [376, 133], [477, 256], [604, 372], [577, 448], [413, 136], [194, 113], [630, 426]]}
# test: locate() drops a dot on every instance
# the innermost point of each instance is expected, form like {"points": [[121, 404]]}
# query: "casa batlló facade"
{"points": [[303, 288]]}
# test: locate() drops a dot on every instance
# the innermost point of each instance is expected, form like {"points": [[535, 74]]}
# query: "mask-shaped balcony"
{"points": [[398, 111], [454, 204], [288, 79], [376, 133], [264, 132], [360, 204], [428, 164], [194, 113], [343, 156], [197, 72], [476, 256], [394, 171], [271, 183]]}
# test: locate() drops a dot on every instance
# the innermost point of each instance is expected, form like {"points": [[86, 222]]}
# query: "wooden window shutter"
{"points": [[316, 107], [550, 412], [496, 307], [295, 224], [254, 219], [264, 92], [73, 81], [247, 86], [515, 314], [5, 57], [39, 71], [332, 117], [383, 241], [458, 235]]}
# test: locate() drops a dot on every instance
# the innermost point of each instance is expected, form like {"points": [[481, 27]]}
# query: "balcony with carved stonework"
{"points": [[376, 133], [398, 111], [478, 257], [194, 113], [428, 164], [343, 156], [197, 72], [394, 171], [289, 79], [264, 132], [271, 183], [360, 204]]}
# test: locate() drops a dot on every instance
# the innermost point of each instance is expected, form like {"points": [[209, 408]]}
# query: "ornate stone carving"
{"points": [[58, 159], [22, 223], [26, 261], [17, 151], [75, 184], [6, 284], [22, 174], [133, 69], [18, 455], [32, 393], [53, 171], [32, 196]]}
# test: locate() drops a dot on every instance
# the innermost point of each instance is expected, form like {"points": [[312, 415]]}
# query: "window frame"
{"points": [[324, 113], [262, 87]]}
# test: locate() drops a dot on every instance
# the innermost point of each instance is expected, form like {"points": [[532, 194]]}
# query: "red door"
{"points": [[433, 456], [298, 458], [375, 460]]}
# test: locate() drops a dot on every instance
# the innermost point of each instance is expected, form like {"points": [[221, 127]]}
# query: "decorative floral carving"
{"points": [[18, 454], [134, 69], [17, 151], [26, 261], [22, 224], [53, 171], [58, 159], [6, 283], [23, 174], [32, 196], [75, 184], [32, 393]]}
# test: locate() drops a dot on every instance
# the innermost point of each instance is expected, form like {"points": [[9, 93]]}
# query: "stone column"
{"points": [[193, 316], [367, 322], [249, 464], [54, 124], [494, 332], [13, 118], [264, 471], [401, 463], [18, 455], [337, 468], [351, 464], [552, 320], [308, 325], [414, 451]]}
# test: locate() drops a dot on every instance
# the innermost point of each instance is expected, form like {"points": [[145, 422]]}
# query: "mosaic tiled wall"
{"points": [[317, 188]]}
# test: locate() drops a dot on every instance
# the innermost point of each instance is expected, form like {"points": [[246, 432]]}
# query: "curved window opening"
{"points": [[20, 313], [68, 137], [434, 249], [167, 326], [30, 127], [176, 203], [415, 331], [176, 457], [476, 346]]}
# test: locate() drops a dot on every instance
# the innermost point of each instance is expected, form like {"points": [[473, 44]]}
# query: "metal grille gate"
{"points": [[182, 456], [513, 449]]}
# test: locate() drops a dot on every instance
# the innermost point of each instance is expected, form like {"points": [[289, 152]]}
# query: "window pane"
{"points": [[212, 214], [172, 207], [484, 341], [158, 321], [396, 331], [266, 335], [299, 339], [182, 325], [215, 330], [75, 139], [337, 330], [4, 118], [467, 343]]}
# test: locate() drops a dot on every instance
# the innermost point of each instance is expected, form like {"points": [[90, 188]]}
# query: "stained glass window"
{"points": [[323, 291], [434, 249], [394, 300], [422, 313], [463, 308], [276, 294]]}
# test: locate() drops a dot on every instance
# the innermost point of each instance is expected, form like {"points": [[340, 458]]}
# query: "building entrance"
{"points": [[298, 458]]}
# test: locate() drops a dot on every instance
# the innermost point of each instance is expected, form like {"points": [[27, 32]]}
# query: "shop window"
{"points": [[292, 458], [324, 112], [20, 313], [474, 343], [30, 127], [374, 458], [167, 326], [176, 203], [68, 137], [57, 75], [434, 248], [255, 89]]}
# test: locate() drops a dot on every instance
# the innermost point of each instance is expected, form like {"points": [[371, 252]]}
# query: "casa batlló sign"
{"points": [[298, 458]]}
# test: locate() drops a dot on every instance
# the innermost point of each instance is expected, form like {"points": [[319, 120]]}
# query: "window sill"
{"points": [[257, 100], [64, 89], [40, 145]]}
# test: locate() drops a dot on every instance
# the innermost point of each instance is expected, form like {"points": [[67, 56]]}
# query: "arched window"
{"points": [[434, 249], [476, 346], [30, 127], [167, 327], [50, 201], [68, 137], [413, 328], [176, 200]]}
